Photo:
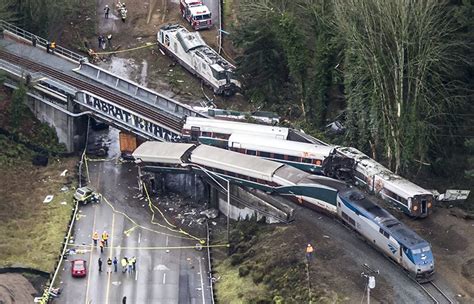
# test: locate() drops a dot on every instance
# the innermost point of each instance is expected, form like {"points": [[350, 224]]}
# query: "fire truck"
{"points": [[196, 13]]}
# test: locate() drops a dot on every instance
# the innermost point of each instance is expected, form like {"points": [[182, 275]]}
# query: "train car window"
{"points": [[206, 134], [307, 160], [316, 162], [278, 156], [292, 158], [264, 154], [251, 152]]}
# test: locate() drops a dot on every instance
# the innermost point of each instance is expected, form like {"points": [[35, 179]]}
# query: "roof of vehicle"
{"points": [[234, 162], [161, 152], [85, 189], [272, 145], [189, 40], [392, 181], [229, 127], [191, 2], [199, 10], [357, 200]]}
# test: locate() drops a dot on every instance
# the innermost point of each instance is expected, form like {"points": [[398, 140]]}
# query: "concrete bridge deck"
{"points": [[111, 96]]}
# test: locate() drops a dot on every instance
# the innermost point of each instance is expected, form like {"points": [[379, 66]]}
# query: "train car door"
{"points": [[424, 210], [195, 133]]}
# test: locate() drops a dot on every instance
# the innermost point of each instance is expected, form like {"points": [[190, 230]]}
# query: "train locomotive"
{"points": [[334, 197], [284, 145], [190, 50]]}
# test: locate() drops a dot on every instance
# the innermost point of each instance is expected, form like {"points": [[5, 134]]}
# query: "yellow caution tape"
{"points": [[148, 44], [153, 247], [150, 204]]}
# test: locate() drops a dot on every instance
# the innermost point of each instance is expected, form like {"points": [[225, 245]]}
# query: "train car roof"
{"points": [[234, 162], [392, 181], [358, 201], [189, 40], [229, 127], [161, 152], [272, 145]]}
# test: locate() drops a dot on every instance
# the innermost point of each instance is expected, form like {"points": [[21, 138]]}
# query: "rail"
{"points": [[156, 115], [5, 26]]}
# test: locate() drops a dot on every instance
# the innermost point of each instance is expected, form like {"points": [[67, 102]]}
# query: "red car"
{"points": [[78, 269]]}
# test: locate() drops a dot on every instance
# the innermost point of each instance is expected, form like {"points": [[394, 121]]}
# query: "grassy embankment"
{"points": [[31, 232], [266, 267]]}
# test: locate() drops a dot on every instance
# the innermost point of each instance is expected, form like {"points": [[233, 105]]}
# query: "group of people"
{"points": [[128, 264], [103, 41], [103, 241], [50, 45]]}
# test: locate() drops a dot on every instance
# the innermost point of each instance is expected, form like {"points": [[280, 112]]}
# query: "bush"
{"points": [[244, 271], [257, 276], [236, 259]]}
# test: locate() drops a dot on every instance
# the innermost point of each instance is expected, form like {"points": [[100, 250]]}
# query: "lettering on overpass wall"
{"points": [[124, 117]]}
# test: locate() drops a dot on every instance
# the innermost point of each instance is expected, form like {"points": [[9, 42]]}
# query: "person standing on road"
{"points": [[53, 47], [124, 264], [48, 45], [115, 264], [107, 10], [99, 40], [100, 265], [109, 265], [124, 300], [95, 238], [101, 245], [134, 261], [309, 252], [105, 237], [130, 265], [109, 40], [34, 40]]}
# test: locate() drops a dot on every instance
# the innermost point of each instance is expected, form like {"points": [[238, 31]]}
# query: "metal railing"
{"points": [[5, 26]]}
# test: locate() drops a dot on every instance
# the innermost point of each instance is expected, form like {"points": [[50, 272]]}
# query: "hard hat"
{"points": [[106, 5], [309, 245]]}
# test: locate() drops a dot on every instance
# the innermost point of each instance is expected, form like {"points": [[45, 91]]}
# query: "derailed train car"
{"points": [[276, 143], [190, 50], [337, 198]]}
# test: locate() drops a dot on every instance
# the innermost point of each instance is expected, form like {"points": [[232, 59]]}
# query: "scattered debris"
{"points": [[454, 195], [48, 199], [326, 236], [210, 213], [63, 203], [64, 173], [64, 189]]}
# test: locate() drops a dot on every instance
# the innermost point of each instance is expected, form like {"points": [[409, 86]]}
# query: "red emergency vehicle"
{"points": [[196, 13]]}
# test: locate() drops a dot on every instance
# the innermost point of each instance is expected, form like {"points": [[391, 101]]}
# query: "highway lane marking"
{"points": [[109, 275], [139, 237], [136, 275], [202, 281], [164, 278], [90, 256], [167, 239]]}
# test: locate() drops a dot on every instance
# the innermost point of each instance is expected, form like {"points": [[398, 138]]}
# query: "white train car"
{"points": [[190, 50], [216, 132], [409, 197]]}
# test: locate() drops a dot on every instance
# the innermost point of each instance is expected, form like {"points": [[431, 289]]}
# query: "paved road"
{"points": [[213, 6], [163, 275]]}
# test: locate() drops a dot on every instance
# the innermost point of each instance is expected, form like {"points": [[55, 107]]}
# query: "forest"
{"points": [[397, 74]]}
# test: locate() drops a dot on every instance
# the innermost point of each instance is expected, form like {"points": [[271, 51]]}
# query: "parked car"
{"points": [[78, 268], [86, 195]]}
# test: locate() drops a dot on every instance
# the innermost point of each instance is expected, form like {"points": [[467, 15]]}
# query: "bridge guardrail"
{"points": [[40, 41]]}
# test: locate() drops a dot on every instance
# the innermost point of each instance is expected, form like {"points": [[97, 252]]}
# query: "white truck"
{"points": [[196, 13], [190, 50]]}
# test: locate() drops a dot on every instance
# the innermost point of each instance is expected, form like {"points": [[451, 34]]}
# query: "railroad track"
{"points": [[157, 115], [435, 293]]}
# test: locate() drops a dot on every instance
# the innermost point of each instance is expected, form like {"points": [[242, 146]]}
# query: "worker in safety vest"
{"points": [[309, 252], [95, 237], [53, 47], [105, 237]]}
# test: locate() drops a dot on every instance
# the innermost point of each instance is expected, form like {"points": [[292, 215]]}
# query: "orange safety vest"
{"points": [[309, 249], [95, 236]]}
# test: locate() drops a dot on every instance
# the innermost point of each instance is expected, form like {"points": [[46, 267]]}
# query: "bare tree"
{"points": [[402, 50]]}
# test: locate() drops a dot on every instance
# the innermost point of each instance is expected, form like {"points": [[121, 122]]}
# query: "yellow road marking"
{"points": [[110, 256], [90, 258]]}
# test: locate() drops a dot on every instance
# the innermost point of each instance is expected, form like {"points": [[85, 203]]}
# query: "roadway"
{"points": [[165, 272]]}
